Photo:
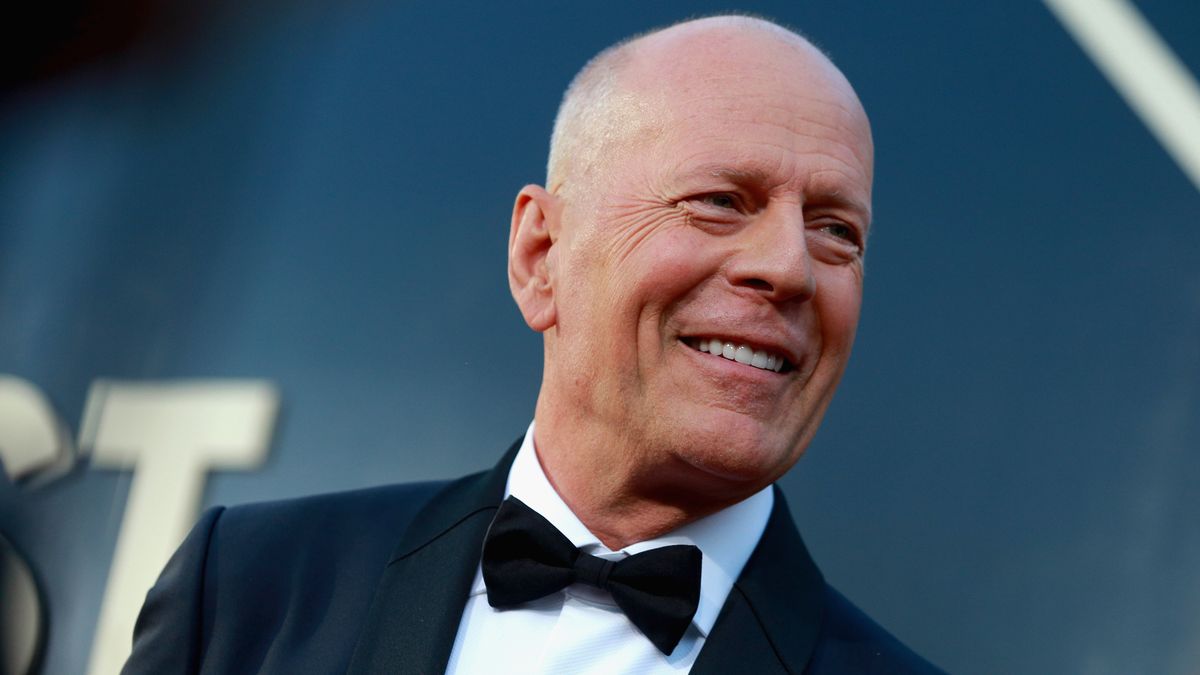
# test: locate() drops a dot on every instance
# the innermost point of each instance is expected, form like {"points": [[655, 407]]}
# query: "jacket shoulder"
{"points": [[266, 587], [317, 556], [850, 641], [364, 521]]}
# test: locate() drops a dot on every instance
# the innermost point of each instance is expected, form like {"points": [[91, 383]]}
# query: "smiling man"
{"points": [[725, 199], [695, 268]]}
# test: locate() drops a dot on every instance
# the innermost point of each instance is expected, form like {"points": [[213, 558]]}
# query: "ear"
{"points": [[534, 232]]}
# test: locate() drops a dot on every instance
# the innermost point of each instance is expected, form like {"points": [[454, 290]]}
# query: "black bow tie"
{"points": [[525, 558]]}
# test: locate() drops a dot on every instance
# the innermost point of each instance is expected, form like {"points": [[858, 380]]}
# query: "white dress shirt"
{"points": [[580, 629]]}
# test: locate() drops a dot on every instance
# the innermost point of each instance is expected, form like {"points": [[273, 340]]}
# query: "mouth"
{"points": [[742, 353]]}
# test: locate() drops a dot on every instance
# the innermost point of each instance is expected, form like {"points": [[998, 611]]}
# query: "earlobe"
{"points": [[531, 238]]}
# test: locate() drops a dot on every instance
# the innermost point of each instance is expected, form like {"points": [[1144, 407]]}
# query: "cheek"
{"points": [[838, 303], [651, 262], [678, 259], [620, 278]]}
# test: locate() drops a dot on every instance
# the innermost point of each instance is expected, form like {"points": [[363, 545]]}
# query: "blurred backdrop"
{"points": [[317, 194]]}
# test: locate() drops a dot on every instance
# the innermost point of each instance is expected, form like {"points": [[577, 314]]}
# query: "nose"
{"points": [[773, 257]]}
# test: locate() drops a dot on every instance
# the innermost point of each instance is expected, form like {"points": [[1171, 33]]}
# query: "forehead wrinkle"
{"points": [[847, 155], [841, 127], [845, 123], [817, 101]]}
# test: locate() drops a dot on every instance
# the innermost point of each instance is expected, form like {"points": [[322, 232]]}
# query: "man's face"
{"points": [[739, 227]]}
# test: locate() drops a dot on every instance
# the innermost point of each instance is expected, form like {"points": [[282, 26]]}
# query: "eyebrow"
{"points": [[837, 198], [750, 175]]}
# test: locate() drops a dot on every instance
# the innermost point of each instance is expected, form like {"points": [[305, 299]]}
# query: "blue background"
{"points": [[319, 195]]}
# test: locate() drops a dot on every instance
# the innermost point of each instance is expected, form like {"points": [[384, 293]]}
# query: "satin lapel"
{"points": [[771, 621], [414, 617]]}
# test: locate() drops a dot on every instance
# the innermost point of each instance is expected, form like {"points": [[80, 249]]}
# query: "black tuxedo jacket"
{"points": [[375, 581]]}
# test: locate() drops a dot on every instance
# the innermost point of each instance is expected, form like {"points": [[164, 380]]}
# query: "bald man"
{"points": [[694, 265]]}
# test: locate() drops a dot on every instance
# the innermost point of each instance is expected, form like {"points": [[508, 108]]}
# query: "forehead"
{"points": [[762, 109], [773, 127]]}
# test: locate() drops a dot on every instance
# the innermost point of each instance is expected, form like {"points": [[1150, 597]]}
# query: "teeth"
{"points": [[741, 353]]}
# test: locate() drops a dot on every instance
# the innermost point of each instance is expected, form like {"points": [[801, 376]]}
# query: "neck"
{"points": [[624, 494]]}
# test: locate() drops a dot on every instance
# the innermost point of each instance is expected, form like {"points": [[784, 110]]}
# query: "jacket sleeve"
{"points": [[168, 635]]}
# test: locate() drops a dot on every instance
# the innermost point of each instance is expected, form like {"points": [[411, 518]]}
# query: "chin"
{"points": [[736, 449]]}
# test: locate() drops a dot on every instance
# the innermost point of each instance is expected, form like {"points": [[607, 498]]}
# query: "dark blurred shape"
{"points": [[49, 41]]}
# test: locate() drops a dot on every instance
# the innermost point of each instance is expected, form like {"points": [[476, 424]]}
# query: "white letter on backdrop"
{"points": [[170, 435]]}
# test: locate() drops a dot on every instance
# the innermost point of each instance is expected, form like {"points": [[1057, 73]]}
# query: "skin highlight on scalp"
{"points": [[595, 116]]}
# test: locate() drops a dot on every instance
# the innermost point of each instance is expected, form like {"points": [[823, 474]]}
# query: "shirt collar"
{"points": [[725, 538]]}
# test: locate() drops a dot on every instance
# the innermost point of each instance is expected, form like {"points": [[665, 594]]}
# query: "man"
{"points": [[695, 267]]}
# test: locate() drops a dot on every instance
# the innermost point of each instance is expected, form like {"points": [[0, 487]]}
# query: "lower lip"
{"points": [[729, 366]]}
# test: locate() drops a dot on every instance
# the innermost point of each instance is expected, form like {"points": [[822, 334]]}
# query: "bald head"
{"points": [[619, 96]]}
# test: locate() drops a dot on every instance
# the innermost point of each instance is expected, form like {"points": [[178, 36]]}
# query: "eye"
{"points": [[844, 232], [721, 200]]}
